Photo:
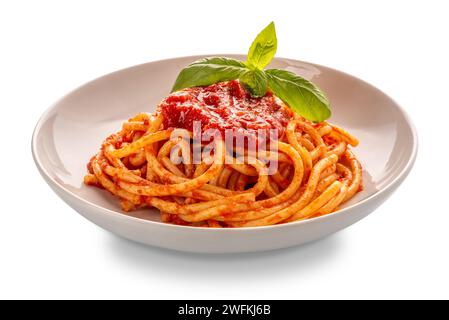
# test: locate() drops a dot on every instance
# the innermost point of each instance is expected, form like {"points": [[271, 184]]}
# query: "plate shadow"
{"points": [[249, 265]]}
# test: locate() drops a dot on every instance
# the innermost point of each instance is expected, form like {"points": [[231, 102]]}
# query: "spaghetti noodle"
{"points": [[316, 170]]}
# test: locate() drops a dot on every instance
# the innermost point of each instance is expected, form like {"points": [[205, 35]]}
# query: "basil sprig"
{"points": [[300, 94]]}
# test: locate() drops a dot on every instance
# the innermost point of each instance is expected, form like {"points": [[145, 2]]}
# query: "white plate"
{"points": [[71, 131]]}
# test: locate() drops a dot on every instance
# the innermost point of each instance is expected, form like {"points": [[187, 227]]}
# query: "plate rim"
{"points": [[396, 181]]}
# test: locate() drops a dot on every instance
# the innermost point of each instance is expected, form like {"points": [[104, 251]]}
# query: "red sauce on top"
{"points": [[225, 105]]}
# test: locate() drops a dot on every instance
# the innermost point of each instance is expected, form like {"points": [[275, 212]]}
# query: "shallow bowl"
{"points": [[71, 131]]}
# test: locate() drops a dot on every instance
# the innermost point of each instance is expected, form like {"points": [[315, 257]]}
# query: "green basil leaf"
{"points": [[208, 71], [255, 81], [263, 48], [300, 94]]}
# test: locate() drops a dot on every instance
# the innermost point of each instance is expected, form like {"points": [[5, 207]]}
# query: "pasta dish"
{"points": [[315, 173], [233, 145]]}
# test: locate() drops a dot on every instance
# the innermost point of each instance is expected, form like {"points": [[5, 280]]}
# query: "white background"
{"points": [[47, 48]]}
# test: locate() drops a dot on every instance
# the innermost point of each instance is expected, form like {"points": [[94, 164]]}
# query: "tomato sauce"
{"points": [[225, 105]]}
